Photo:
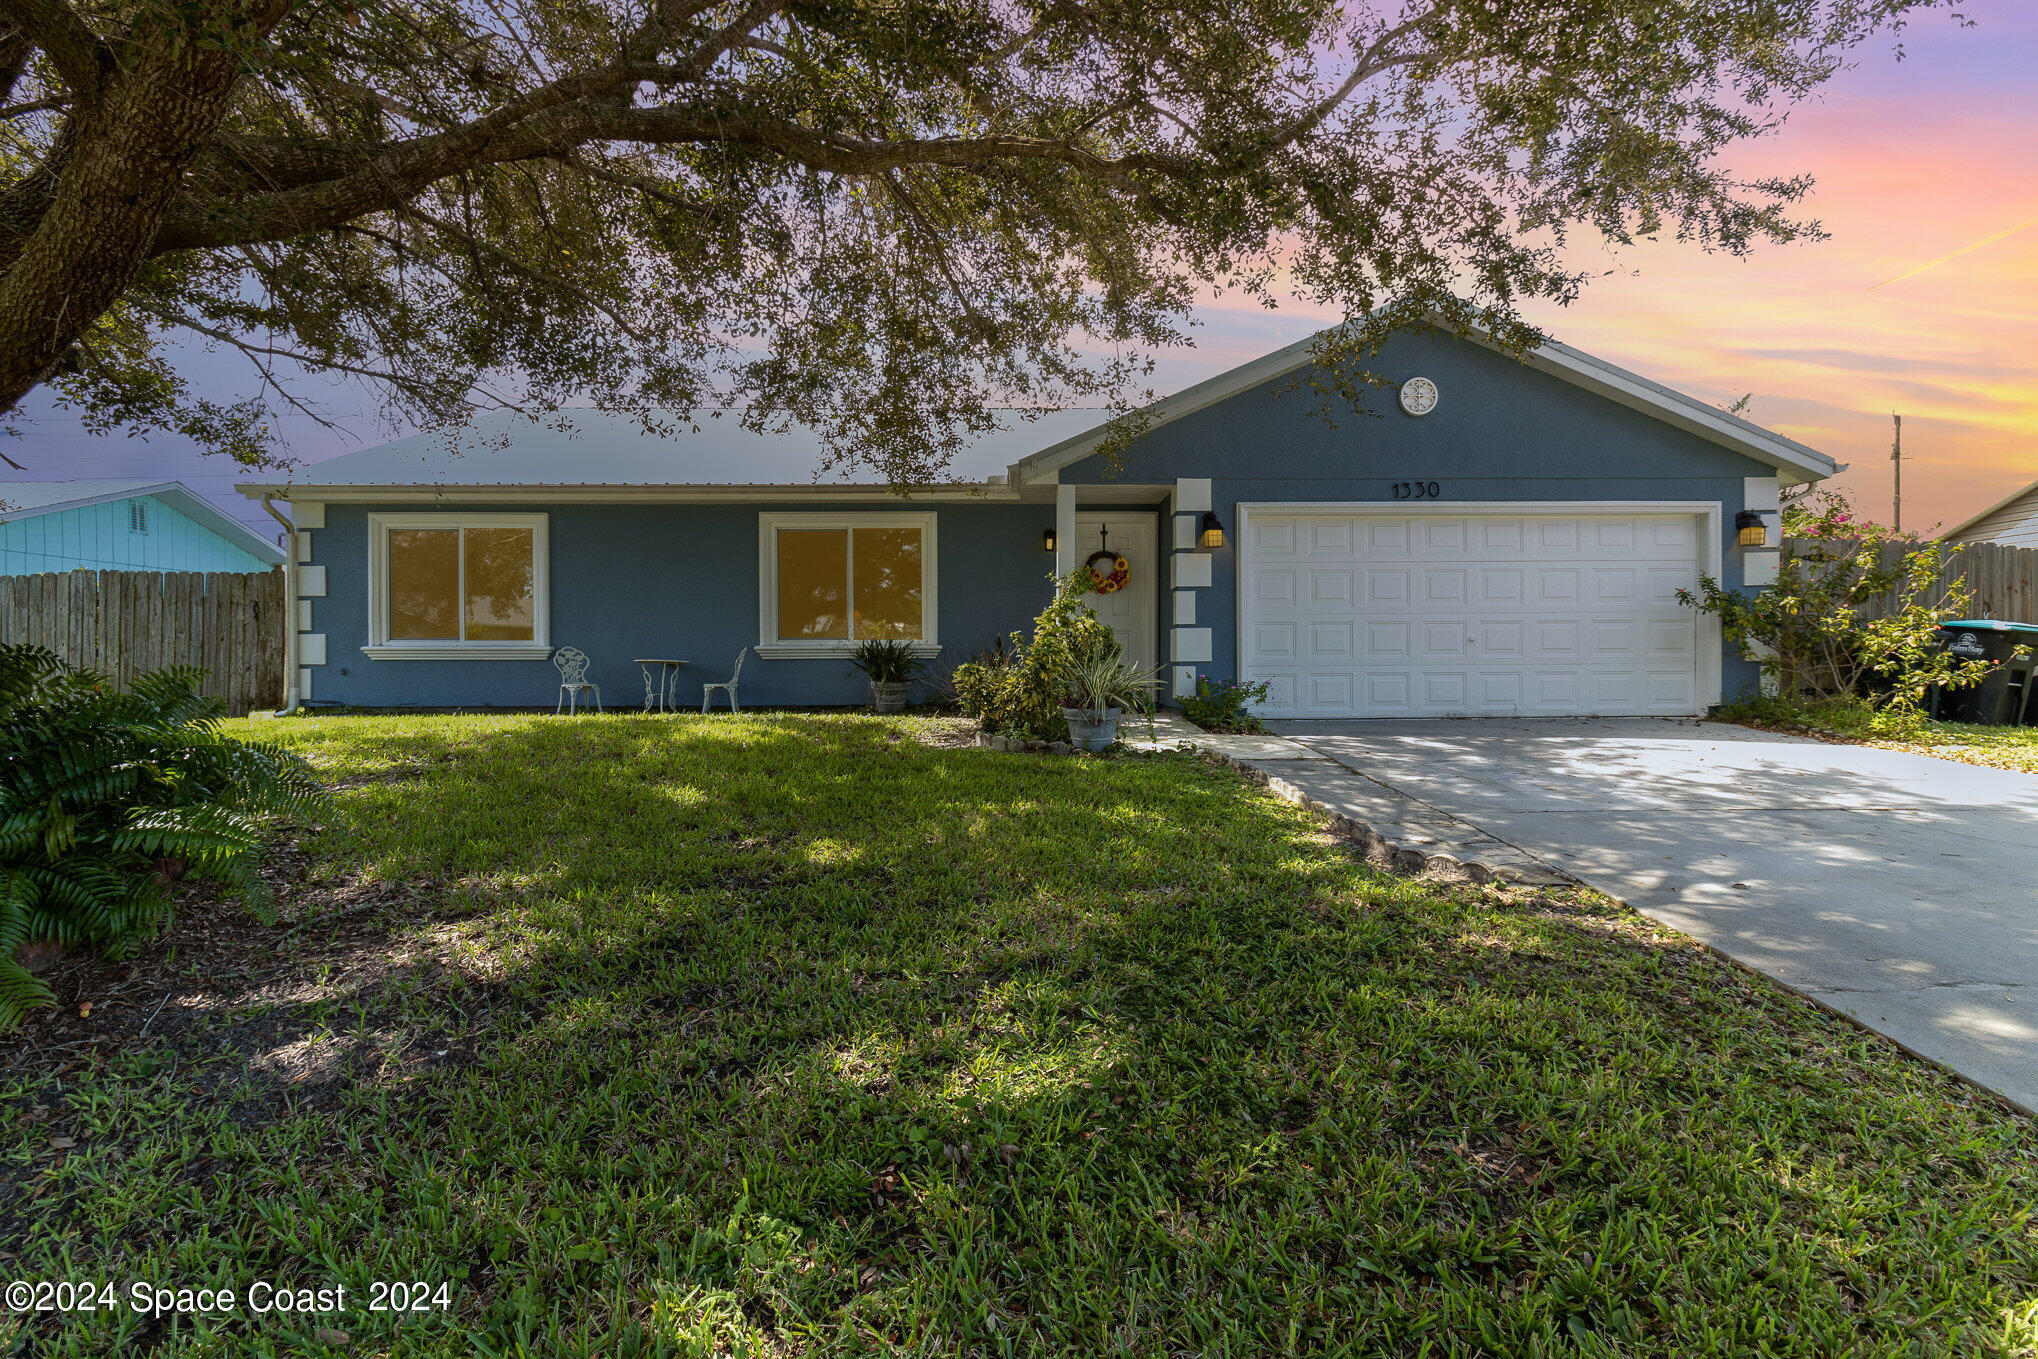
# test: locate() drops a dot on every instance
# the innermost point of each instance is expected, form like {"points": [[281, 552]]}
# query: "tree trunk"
{"points": [[131, 148]]}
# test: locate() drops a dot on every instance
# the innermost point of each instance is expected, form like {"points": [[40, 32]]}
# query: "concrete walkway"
{"points": [[1898, 888]]}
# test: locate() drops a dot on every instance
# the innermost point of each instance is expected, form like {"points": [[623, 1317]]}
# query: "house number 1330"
{"points": [[1416, 490]]}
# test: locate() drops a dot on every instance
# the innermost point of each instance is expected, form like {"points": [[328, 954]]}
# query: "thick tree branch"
{"points": [[81, 59]]}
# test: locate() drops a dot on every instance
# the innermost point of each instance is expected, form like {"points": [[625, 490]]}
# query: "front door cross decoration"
{"points": [[1111, 570]]}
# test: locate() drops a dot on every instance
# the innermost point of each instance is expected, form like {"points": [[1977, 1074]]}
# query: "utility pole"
{"points": [[1896, 457]]}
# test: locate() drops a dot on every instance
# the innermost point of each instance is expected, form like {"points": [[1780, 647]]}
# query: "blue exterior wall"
{"points": [[1501, 431], [96, 537], [681, 580], [670, 580]]}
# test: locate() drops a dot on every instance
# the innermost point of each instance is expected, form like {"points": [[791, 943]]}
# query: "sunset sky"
{"points": [[1915, 160]]}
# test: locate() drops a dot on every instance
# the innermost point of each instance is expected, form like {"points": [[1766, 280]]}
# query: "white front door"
{"points": [[1557, 611], [1129, 611]]}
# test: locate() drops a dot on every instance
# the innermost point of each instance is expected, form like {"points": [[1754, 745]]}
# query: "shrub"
{"points": [[1220, 705], [887, 660], [1018, 692], [107, 796], [1102, 679], [1853, 613]]}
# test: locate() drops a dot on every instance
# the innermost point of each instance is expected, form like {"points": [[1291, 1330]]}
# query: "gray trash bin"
{"points": [[2006, 697]]}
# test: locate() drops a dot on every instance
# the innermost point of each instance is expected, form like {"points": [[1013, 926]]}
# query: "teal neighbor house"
{"points": [[122, 526], [1502, 535]]}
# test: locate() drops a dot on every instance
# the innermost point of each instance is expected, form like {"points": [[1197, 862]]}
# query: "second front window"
{"points": [[831, 581]]}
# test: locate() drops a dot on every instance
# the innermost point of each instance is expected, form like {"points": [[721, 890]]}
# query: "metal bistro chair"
{"points": [[708, 690], [573, 681]]}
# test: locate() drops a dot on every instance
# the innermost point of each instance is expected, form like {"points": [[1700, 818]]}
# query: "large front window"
{"points": [[834, 580], [457, 584]]}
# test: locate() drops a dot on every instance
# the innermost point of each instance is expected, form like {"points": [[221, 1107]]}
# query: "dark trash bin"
{"points": [[2006, 697]]}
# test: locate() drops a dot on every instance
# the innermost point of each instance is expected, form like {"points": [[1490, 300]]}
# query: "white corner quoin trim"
{"points": [[771, 646], [381, 648]]}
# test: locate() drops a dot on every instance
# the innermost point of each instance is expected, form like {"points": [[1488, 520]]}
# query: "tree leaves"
{"points": [[889, 225]]}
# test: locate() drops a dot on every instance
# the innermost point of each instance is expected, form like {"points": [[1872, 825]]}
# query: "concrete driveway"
{"points": [[1899, 888]]}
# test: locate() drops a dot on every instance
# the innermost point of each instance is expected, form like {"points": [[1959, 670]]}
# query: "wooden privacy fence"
{"points": [[2002, 580], [122, 623]]}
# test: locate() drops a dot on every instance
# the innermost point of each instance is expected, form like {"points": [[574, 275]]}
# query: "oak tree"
{"points": [[885, 218]]}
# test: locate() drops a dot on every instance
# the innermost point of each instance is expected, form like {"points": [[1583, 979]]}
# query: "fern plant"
{"points": [[103, 794]]}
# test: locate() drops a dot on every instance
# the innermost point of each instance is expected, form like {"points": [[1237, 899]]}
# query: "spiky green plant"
{"points": [[102, 792]]}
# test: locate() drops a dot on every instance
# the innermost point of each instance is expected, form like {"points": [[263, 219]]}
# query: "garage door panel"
{"points": [[1502, 585], [1443, 640], [1330, 587], [1661, 584], [1444, 539], [1389, 586], [1388, 642], [1274, 640], [1385, 615], [1559, 585], [1388, 691], [1387, 537], [1274, 538], [1497, 639], [1273, 587], [1555, 639], [1502, 538], [1615, 584], [1331, 537], [1444, 585], [1335, 640], [1499, 690]]}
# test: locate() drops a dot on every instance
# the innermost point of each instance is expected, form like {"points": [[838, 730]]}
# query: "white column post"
{"points": [[1064, 529]]}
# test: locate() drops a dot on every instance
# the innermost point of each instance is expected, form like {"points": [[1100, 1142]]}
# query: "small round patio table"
{"points": [[661, 677]]}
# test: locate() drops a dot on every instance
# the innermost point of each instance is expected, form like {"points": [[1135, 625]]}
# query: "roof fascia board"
{"points": [[588, 494], [84, 501]]}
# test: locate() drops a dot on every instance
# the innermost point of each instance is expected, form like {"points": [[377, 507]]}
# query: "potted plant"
{"points": [[1097, 687], [891, 666]]}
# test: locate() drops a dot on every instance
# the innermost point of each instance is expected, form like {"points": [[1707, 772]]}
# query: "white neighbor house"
{"points": [[2013, 522]]}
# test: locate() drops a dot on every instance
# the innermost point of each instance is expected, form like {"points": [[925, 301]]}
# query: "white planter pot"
{"points": [[1090, 729]]}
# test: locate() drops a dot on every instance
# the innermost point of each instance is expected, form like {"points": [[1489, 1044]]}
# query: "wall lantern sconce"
{"points": [[1750, 530], [1210, 535], [1047, 540]]}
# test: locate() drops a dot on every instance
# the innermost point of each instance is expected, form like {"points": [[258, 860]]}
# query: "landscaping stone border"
{"points": [[1390, 829], [1411, 840]]}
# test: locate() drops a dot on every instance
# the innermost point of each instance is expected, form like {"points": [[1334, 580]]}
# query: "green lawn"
{"points": [[797, 1035], [1998, 747]]}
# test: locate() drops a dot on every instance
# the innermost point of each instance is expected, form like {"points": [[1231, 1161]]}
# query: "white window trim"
{"points": [[381, 648], [772, 647]]}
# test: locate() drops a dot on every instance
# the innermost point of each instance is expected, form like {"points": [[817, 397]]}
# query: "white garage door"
{"points": [[1382, 614]]}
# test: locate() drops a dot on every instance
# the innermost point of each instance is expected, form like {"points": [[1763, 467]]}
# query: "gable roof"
{"points": [[590, 453], [32, 498], [590, 449], [1687, 413], [1997, 508]]}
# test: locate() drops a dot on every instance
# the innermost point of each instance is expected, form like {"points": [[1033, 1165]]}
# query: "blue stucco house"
{"points": [[1505, 536], [122, 526]]}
